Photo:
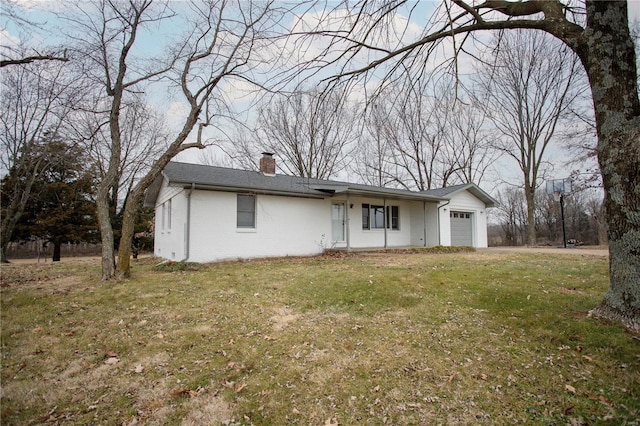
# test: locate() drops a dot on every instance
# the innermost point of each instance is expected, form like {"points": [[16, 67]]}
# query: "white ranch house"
{"points": [[205, 214]]}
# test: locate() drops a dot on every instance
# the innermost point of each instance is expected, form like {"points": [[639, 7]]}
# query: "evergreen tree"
{"points": [[61, 209]]}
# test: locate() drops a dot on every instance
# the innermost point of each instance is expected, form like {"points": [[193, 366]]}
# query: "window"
{"points": [[164, 216], [460, 215], [377, 217], [246, 211], [395, 217], [373, 217], [169, 214], [365, 216]]}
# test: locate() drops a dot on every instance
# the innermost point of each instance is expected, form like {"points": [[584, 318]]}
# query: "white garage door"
{"points": [[461, 230]]}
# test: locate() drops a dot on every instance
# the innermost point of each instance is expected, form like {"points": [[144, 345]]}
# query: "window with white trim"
{"points": [[246, 211]]}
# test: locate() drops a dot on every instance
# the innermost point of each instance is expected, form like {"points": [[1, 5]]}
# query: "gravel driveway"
{"points": [[587, 250]]}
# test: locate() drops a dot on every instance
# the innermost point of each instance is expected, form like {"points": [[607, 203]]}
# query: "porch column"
{"points": [[348, 229], [424, 223], [384, 221]]}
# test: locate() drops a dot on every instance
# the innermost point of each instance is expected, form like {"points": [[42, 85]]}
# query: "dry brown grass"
{"points": [[385, 338]]}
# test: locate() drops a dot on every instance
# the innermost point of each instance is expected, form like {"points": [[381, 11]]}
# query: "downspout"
{"points": [[439, 229], [346, 207], [187, 231]]}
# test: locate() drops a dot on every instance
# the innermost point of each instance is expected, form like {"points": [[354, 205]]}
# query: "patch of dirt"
{"points": [[207, 410], [282, 318]]}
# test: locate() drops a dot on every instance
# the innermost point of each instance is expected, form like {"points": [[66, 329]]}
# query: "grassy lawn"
{"points": [[403, 339]]}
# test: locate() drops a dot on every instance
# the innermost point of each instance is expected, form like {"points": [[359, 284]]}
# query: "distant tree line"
{"points": [[584, 219]]}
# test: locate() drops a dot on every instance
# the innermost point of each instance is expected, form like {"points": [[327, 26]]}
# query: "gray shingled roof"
{"points": [[226, 179], [449, 191]]}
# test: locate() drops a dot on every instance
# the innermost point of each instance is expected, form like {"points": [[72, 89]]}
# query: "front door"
{"points": [[337, 222]]}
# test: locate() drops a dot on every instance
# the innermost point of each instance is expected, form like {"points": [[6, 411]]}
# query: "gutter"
{"points": [[247, 190], [319, 193], [440, 229]]}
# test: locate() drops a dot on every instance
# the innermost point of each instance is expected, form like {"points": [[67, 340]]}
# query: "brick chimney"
{"points": [[268, 164]]}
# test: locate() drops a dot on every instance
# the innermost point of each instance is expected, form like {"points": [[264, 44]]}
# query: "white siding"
{"points": [[285, 226], [417, 224], [411, 232], [465, 202], [433, 225], [169, 241], [290, 226]]}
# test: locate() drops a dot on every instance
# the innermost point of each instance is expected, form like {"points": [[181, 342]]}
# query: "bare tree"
{"points": [[512, 215], [528, 91], [422, 138], [598, 32], [104, 34], [310, 132], [220, 44], [11, 54], [35, 101], [373, 161], [469, 145], [144, 137], [416, 137]]}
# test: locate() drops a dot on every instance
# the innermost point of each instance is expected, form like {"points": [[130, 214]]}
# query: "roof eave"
{"points": [[246, 189], [390, 195]]}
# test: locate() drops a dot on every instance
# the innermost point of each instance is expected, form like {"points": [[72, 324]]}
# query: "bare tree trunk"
{"points": [[530, 233], [106, 236], [611, 67], [57, 248], [123, 269]]}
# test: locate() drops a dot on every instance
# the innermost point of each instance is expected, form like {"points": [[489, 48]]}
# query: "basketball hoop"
{"points": [[558, 188]]}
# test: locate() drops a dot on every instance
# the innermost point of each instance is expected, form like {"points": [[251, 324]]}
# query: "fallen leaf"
{"points": [[139, 368], [241, 387], [570, 388], [111, 361], [331, 422], [604, 400], [182, 392], [484, 377], [112, 354]]}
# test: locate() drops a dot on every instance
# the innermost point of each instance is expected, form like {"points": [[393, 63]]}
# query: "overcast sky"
{"points": [[39, 11]]}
